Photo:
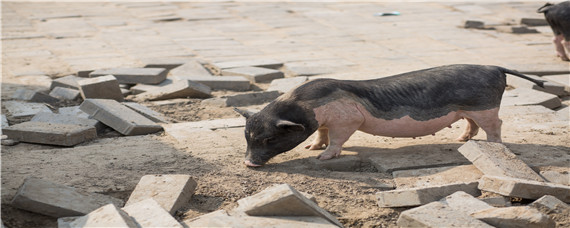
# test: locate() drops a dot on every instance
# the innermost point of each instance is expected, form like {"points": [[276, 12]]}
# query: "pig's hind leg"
{"points": [[471, 129], [489, 121], [559, 44]]}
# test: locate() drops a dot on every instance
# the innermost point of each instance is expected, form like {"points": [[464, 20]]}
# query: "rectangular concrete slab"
{"points": [[265, 63], [282, 200], [526, 96], [41, 97], [103, 87], [141, 88], [119, 117], [416, 178], [178, 89], [74, 111], [49, 117], [523, 188], [284, 85], [423, 195], [393, 161], [148, 213], [146, 112], [550, 204], [4, 121], [24, 109], [65, 93], [222, 218], [518, 216], [465, 203], [170, 191], [50, 133], [437, 214], [497, 160], [133, 75], [234, 83], [69, 82], [106, 216], [191, 68], [254, 74], [342, 163], [56, 200]]}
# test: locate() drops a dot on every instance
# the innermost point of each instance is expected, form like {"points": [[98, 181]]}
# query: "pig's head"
{"points": [[271, 132]]}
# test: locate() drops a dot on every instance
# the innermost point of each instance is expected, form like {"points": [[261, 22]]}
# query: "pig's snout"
{"points": [[248, 163]]}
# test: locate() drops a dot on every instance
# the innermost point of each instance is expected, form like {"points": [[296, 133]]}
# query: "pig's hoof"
{"points": [[315, 146], [248, 163], [327, 156]]}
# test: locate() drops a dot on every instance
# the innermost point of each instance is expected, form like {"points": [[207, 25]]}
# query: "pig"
{"points": [[411, 104], [558, 17]]}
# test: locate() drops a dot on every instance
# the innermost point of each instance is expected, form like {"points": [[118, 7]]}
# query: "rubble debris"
{"points": [[465, 203], [534, 21], [50, 133], [141, 88], [437, 214], [24, 109], [221, 218], [119, 117], [41, 97], [147, 112], [103, 87], [234, 83], [341, 163], [106, 216], [69, 82], [178, 89], [65, 93], [473, 24], [265, 63], [188, 70], [523, 188], [518, 216], [496, 159], [56, 200], [551, 204], [422, 195], [170, 191], [133, 75], [148, 213], [254, 74], [49, 117], [416, 178]]}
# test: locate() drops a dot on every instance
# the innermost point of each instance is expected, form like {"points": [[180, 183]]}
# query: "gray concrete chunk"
{"points": [[24, 109], [148, 213], [65, 93], [69, 82], [235, 83], [146, 112], [133, 75], [437, 214], [254, 74], [56, 200], [106, 216], [170, 191], [525, 96], [398, 160], [4, 121], [73, 110], [178, 89], [423, 195], [465, 203], [519, 216], [104, 87], [563, 79], [48, 117], [41, 97], [119, 117], [282, 200], [141, 88], [189, 69], [416, 178], [50, 133], [265, 63], [284, 85], [497, 160], [523, 188], [341, 163], [221, 218], [551, 204]]}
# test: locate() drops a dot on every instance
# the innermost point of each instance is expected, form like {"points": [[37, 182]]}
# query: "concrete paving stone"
{"points": [[465, 203], [24, 109], [550, 204], [422, 195], [48, 117], [534, 21], [416, 178], [549, 87], [41, 97], [437, 214], [148, 213], [171, 191], [56, 200], [497, 160], [254, 74], [50, 133], [147, 112], [4, 121], [65, 222], [178, 89], [235, 83], [563, 79], [69, 81], [119, 117], [282, 200], [23, 94], [518, 216], [84, 73], [284, 85], [65, 93], [168, 63], [555, 174], [523, 188], [73, 110], [134, 75], [265, 63], [190, 69], [141, 88], [221, 218], [342, 163], [104, 87], [525, 96], [106, 216], [394, 161], [473, 24]]}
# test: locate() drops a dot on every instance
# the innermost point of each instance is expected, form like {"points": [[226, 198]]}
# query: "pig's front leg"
{"points": [[321, 139], [339, 133]]}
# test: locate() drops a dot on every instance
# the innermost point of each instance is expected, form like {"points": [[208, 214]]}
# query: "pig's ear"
{"points": [[290, 126], [244, 113]]}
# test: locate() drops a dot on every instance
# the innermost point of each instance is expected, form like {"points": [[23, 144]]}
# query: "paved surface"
{"points": [[57, 39]]}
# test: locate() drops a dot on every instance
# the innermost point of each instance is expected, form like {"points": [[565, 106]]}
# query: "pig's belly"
{"points": [[406, 126]]}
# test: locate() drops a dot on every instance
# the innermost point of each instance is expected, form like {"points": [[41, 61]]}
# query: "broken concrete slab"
{"points": [[189, 69], [119, 117], [416, 178], [65, 93], [221, 218], [48, 117], [106, 216], [24, 109], [243, 99], [563, 79], [468, 24], [170, 191], [341, 163], [50, 133], [525, 96], [465, 203], [23, 94], [178, 89], [563, 114], [69, 82], [167, 64], [518, 216], [65, 222], [551, 204], [534, 21], [549, 87], [147, 112], [56, 200], [133, 75], [523, 188], [393, 161], [282, 200], [148, 213], [265, 63], [497, 160], [141, 88], [284, 85], [234, 83], [254, 74], [41, 97], [497, 201], [555, 174], [437, 214], [74, 111], [103, 87], [4, 121], [423, 195]]}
